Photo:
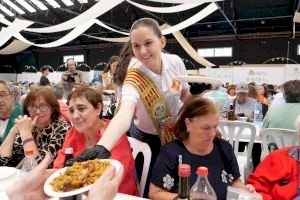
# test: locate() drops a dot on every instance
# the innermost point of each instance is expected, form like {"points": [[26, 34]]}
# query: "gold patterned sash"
{"points": [[107, 81], [153, 101]]}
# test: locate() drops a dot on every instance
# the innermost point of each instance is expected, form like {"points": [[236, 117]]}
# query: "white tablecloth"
{"points": [[121, 196]]}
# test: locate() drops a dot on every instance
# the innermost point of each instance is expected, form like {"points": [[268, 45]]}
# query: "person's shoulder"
{"points": [[224, 146], [251, 100], [280, 152], [172, 147], [171, 57], [62, 123]]}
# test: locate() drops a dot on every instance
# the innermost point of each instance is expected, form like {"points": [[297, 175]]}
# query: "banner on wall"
{"points": [[259, 75], [292, 72]]}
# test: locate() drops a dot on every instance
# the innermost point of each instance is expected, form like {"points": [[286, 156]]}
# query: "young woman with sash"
{"points": [[151, 95]]}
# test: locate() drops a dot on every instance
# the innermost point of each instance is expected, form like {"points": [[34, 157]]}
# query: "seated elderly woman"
{"points": [[85, 107], [39, 129], [276, 177], [199, 144]]}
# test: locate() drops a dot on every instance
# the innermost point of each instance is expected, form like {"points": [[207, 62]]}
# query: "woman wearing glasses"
{"points": [[39, 129]]}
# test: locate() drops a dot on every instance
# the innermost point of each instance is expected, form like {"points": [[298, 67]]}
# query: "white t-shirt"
{"points": [[3, 125], [170, 87]]}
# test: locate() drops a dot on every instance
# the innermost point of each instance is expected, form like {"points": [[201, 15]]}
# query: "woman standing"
{"points": [[108, 73], [199, 144], [150, 92], [39, 129], [85, 107]]}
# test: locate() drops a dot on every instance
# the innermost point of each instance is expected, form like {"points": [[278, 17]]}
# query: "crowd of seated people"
{"points": [[38, 125]]}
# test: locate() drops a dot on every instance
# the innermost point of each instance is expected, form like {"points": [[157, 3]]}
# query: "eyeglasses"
{"points": [[3, 95], [42, 108]]}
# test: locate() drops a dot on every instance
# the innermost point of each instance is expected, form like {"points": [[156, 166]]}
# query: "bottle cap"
{"points": [[28, 152], [202, 171], [69, 150], [184, 170]]}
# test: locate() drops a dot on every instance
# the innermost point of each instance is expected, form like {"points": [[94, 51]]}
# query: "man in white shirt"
{"points": [[243, 105]]}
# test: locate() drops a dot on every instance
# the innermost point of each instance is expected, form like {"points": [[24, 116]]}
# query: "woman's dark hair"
{"points": [[195, 106], [112, 59], [121, 70], [44, 68], [50, 98], [126, 52], [252, 91], [266, 93], [291, 91], [90, 94]]}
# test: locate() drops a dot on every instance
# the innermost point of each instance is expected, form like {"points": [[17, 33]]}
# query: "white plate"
{"points": [[200, 79], [50, 192], [6, 172], [109, 91], [11, 180]]}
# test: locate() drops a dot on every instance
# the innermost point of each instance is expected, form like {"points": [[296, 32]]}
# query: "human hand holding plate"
{"points": [[53, 192]]}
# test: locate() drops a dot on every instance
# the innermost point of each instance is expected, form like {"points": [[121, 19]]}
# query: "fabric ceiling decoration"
{"points": [[67, 38], [192, 20], [295, 19], [15, 27], [190, 50], [14, 47], [98, 22], [92, 13], [183, 1], [172, 9], [119, 39]]}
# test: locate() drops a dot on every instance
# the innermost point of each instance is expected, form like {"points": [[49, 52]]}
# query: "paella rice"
{"points": [[79, 175]]}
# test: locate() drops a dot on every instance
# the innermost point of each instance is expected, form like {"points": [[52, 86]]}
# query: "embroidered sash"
{"points": [[153, 101], [107, 81]]}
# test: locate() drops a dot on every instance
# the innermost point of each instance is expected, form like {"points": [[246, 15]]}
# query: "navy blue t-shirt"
{"points": [[221, 163]]}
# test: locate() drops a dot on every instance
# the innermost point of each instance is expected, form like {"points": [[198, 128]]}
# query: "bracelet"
{"points": [[27, 140]]}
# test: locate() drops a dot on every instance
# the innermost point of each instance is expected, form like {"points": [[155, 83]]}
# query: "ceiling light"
{"points": [[68, 2], [53, 3], [39, 4], [14, 6], [26, 6], [82, 1], [6, 11]]}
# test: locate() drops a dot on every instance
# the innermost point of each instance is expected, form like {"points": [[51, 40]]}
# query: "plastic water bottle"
{"points": [[29, 162], [202, 190], [258, 116]]}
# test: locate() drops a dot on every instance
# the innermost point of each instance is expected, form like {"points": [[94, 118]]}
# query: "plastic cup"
{"points": [[244, 119]]}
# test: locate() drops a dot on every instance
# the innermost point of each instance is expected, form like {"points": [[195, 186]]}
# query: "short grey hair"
{"points": [[58, 90], [16, 90], [8, 86]]}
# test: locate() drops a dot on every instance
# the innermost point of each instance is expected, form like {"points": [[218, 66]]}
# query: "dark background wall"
{"points": [[251, 51]]}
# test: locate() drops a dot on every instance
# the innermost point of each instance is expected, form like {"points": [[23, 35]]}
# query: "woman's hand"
{"points": [[31, 186], [110, 181], [98, 151], [249, 188], [25, 125]]}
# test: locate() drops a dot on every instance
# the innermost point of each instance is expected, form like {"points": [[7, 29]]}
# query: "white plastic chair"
{"points": [[233, 131], [137, 147], [281, 137]]}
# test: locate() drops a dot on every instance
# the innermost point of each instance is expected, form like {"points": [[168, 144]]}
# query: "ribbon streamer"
{"points": [[173, 9]]}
